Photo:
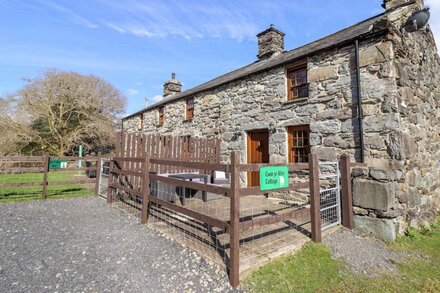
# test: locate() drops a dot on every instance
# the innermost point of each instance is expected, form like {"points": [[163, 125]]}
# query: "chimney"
{"points": [[391, 4], [270, 43], [172, 86]]}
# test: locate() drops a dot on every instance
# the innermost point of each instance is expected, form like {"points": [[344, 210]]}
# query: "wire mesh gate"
{"points": [[330, 199], [104, 169]]}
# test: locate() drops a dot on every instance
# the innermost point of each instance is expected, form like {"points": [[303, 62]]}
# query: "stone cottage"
{"points": [[370, 90]]}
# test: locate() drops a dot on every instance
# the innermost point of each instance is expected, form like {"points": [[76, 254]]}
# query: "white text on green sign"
{"points": [[274, 177]]}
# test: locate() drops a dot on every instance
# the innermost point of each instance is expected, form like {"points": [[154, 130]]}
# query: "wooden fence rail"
{"points": [[44, 162]]}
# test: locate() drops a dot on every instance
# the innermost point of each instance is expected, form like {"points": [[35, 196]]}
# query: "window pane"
{"points": [[297, 83], [303, 91], [302, 76], [299, 145], [161, 115], [189, 108]]}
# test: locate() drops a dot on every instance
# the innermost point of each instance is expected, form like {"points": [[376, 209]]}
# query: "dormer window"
{"points": [[189, 108], [297, 86], [161, 115]]}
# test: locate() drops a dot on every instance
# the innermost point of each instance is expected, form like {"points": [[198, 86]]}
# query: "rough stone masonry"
{"points": [[399, 73]]}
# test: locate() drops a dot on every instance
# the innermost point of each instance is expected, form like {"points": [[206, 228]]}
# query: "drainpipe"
{"points": [[359, 101]]}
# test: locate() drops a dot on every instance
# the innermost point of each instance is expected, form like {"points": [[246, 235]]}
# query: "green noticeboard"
{"points": [[274, 177], [57, 164]]}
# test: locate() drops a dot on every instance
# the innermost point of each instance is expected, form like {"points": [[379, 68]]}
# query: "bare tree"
{"points": [[61, 110], [9, 139]]}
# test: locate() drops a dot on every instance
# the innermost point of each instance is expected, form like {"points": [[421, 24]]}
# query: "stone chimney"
{"points": [[390, 4], [172, 86], [270, 43]]}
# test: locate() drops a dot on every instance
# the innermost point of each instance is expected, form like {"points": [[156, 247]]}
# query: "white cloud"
{"points": [[184, 19], [132, 92], [138, 30], [160, 19], [75, 17], [435, 18], [114, 27], [155, 99]]}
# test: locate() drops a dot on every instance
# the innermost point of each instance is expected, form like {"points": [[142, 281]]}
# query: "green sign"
{"points": [[57, 164], [274, 177]]}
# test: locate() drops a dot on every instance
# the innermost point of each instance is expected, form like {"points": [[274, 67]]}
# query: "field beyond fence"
{"points": [[40, 177]]}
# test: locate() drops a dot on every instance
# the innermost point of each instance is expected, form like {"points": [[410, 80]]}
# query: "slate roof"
{"points": [[367, 28]]}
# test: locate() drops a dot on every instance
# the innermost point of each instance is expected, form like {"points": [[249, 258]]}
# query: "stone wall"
{"points": [[405, 190], [260, 102]]}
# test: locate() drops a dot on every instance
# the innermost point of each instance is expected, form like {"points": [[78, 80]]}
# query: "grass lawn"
{"points": [[34, 192], [313, 270]]}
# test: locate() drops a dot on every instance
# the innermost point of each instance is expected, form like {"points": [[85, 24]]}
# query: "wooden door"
{"points": [[257, 152]]}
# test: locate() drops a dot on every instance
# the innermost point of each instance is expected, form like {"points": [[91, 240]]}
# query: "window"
{"points": [[297, 86], [299, 144], [161, 115], [141, 122], [189, 108]]}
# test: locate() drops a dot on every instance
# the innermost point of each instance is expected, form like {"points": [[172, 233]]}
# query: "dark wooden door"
{"points": [[257, 152]]}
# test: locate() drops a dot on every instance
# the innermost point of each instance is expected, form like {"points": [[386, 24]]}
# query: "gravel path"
{"points": [[85, 245], [362, 254]]}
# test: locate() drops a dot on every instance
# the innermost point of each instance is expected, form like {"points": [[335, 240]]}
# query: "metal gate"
{"points": [[104, 170], [330, 194]]}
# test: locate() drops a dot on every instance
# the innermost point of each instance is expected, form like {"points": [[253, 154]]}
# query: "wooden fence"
{"points": [[180, 148], [143, 170], [134, 172], [40, 165]]}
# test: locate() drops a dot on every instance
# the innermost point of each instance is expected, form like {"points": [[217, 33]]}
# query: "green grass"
{"points": [[313, 270], [34, 192]]}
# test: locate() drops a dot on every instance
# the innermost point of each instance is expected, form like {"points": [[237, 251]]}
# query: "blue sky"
{"points": [[136, 44]]}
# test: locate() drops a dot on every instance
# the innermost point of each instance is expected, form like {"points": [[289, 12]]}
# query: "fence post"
{"points": [[234, 234], [347, 196], [110, 181], [315, 205], [46, 170], [98, 174], [145, 189]]}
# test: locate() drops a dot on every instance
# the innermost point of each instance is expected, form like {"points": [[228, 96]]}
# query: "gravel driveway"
{"points": [[364, 255], [85, 245]]}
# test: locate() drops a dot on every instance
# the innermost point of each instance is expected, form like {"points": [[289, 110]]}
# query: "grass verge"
{"points": [[34, 192], [314, 270]]}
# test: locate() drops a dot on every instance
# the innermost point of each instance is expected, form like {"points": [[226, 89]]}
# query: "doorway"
{"points": [[257, 152]]}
